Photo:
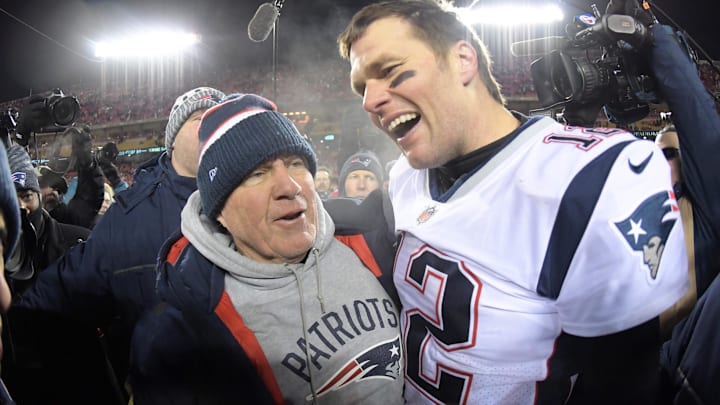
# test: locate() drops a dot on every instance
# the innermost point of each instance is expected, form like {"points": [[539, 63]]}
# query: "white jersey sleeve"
{"points": [[630, 263]]}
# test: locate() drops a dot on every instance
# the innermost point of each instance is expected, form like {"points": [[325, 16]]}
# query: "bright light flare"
{"points": [[148, 44], [512, 15]]}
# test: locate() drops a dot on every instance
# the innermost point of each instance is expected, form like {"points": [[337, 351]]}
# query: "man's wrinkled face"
{"points": [[272, 214]]}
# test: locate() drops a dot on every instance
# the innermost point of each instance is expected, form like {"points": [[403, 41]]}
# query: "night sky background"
{"points": [[48, 44]]}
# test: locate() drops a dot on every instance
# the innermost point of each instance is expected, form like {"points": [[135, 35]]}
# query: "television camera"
{"points": [[599, 65], [55, 109]]}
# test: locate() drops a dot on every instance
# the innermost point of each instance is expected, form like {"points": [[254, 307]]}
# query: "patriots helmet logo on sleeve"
{"points": [[380, 361], [646, 230]]}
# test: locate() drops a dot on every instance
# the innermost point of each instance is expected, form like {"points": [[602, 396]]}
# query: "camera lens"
{"points": [[65, 110]]}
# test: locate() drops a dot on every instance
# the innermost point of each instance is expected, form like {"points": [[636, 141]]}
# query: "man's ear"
{"points": [[466, 55], [221, 220]]}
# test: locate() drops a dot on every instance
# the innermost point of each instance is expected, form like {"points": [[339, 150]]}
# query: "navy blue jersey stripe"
{"points": [[576, 207]]}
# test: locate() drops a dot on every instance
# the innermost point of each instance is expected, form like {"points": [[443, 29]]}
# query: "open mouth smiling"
{"points": [[402, 124]]}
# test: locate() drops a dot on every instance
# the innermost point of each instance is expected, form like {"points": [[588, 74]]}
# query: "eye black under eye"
{"points": [[402, 77]]}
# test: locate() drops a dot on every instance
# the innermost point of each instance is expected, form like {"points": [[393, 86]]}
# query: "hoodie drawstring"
{"points": [[316, 252], [304, 329]]}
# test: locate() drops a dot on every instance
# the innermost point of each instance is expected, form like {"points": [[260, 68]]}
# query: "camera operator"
{"points": [[60, 110], [83, 207], [691, 359]]}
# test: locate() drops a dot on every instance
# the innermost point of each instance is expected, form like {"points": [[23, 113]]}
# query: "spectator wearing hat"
{"points": [[50, 238], [360, 174], [263, 304], [110, 281], [44, 240]]}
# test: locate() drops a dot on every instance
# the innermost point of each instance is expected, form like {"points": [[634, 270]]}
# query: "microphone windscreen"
{"points": [[262, 22], [538, 46]]}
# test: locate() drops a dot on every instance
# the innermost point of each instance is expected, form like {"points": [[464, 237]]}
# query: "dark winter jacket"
{"points": [[113, 273], [691, 359], [110, 279], [29, 354]]}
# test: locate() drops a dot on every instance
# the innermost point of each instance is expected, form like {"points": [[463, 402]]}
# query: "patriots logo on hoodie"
{"points": [[380, 361]]}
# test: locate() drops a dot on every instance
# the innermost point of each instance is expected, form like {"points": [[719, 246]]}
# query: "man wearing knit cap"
{"points": [[263, 304], [111, 280], [44, 240], [360, 175]]}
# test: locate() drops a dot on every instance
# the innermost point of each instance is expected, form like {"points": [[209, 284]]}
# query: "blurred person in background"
{"points": [[360, 174], [109, 281], [323, 182]]}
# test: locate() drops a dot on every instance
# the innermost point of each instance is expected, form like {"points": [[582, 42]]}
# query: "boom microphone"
{"points": [[538, 46], [263, 22]]}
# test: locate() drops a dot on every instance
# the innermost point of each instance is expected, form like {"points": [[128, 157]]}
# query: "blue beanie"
{"points": [[237, 136], [364, 160], [9, 205]]}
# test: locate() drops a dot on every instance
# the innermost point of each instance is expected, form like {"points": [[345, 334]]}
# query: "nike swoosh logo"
{"points": [[637, 169]]}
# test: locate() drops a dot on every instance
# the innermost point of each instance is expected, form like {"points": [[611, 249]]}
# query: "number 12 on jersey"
{"points": [[447, 295]]}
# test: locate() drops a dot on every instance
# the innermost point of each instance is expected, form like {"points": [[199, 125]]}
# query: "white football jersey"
{"points": [[565, 229]]}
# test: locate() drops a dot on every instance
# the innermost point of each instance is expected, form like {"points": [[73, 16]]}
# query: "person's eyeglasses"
{"points": [[671, 153]]}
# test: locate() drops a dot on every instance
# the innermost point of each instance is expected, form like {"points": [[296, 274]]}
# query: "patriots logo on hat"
{"points": [[380, 361], [212, 173], [365, 161], [646, 230], [19, 178]]}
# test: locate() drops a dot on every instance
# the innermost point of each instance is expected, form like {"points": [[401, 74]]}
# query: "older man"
{"points": [[263, 304]]}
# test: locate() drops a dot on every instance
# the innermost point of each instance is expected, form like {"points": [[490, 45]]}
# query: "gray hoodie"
{"points": [[326, 326]]}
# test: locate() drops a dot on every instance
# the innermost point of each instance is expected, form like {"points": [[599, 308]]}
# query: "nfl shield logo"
{"points": [[426, 215]]}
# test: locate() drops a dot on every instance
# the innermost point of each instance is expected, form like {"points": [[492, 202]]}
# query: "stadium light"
{"points": [[148, 44], [512, 15]]}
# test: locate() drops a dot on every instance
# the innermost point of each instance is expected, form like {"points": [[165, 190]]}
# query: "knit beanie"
{"points": [[238, 135], [22, 171], [185, 105], [9, 205], [365, 160]]}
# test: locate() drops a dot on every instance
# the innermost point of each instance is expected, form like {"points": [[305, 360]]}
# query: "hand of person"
{"points": [[32, 117], [82, 146], [633, 9]]}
